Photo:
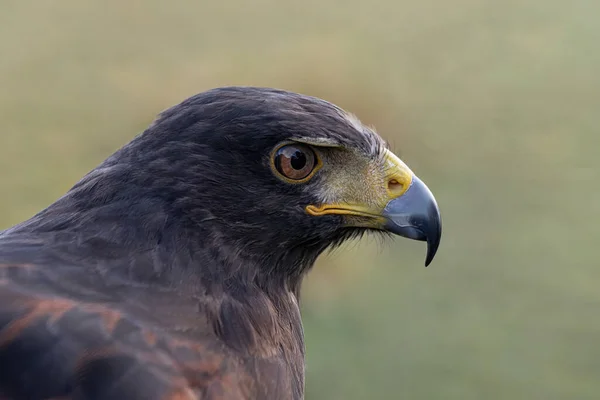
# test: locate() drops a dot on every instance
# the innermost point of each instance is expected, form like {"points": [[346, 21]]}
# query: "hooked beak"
{"points": [[415, 215], [403, 205]]}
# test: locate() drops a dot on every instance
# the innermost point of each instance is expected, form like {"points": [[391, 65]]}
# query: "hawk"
{"points": [[172, 271]]}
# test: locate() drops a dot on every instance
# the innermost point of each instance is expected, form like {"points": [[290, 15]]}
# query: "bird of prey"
{"points": [[172, 271]]}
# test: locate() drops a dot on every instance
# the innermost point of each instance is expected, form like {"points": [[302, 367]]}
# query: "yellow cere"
{"points": [[367, 193]]}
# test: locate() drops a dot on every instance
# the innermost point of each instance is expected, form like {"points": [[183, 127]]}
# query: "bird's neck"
{"points": [[147, 242], [253, 311]]}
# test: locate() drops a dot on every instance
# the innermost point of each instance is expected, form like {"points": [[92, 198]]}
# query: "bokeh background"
{"points": [[495, 104]]}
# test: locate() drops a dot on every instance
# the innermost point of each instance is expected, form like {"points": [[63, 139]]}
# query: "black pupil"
{"points": [[298, 160]]}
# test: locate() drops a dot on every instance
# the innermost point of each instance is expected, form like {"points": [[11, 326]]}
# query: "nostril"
{"points": [[394, 186]]}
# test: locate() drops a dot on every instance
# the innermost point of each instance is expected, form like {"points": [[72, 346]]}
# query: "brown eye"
{"points": [[295, 161]]}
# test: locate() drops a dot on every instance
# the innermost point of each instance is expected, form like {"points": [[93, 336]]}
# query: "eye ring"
{"points": [[295, 162]]}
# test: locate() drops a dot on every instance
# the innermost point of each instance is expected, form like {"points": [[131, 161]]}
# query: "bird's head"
{"points": [[278, 176]]}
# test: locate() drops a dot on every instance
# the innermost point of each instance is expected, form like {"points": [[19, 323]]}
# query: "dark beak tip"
{"points": [[434, 237], [431, 251]]}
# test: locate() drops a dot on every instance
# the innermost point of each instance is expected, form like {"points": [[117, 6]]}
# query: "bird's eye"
{"points": [[295, 161]]}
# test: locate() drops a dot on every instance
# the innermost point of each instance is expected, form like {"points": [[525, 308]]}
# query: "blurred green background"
{"points": [[495, 104]]}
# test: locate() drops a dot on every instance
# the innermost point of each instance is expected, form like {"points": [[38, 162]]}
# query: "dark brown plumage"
{"points": [[173, 269]]}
